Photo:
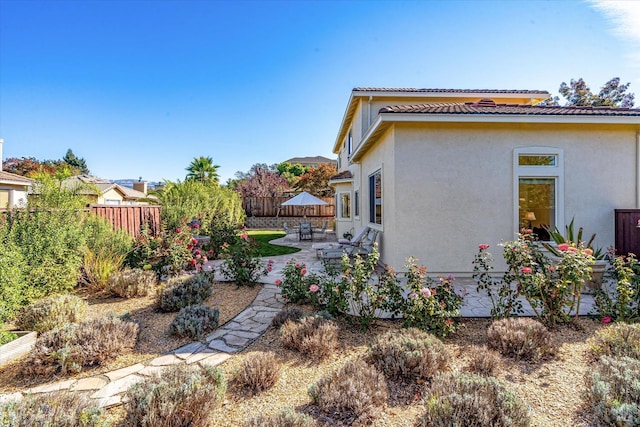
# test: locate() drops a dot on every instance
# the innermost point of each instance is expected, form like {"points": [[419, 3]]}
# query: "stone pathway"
{"points": [[234, 336]]}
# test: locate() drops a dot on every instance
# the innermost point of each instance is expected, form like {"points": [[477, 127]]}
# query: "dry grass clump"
{"points": [[184, 291], [287, 418], [619, 339], [182, 395], [132, 283], [289, 313], [259, 371], [79, 345], [521, 338], [311, 335], [195, 321], [52, 312], [472, 400], [63, 409], [355, 392], [409, 354], [613, 391], [483, 361]]}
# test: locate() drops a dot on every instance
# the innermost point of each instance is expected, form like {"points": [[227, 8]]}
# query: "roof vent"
{"points": [[485, 102]]}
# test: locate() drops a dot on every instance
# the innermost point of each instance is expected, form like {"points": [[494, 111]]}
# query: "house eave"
{"points": [[384, 120]]}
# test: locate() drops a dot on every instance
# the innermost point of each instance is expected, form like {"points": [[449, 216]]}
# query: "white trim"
{"points": [[508, 118], [556, 172], [339, 216]]}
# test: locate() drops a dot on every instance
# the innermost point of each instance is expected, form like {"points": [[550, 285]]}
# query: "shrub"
{"points": [[182, 395], [79, 345], [295, 287], [483, 361], [408, 354], [241, 263], [357, 390], [167, 253], [619, 339], [287, 418], [194, 321], [106, 251], [259, 371], [519, 338], [52, 312], [472, 400], [621, 304], [184, 291], [13, 280], [7, 336], [64, 409], [132, 282], [288, 313], [431, 305], [312, 335], [613, 391]]}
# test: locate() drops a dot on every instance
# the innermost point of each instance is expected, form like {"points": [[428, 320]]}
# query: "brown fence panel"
{"points": [[130, 218], [627, 231], [272, 207]]}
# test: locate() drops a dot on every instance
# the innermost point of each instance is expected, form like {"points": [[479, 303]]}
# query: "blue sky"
{"points": [[141, 87]]}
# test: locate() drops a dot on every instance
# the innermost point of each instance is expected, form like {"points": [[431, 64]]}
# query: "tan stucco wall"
{"points": [[449, 187], [111, 195], [17, 195]]}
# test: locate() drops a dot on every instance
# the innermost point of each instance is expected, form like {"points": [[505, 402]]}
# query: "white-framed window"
{"points": [[349, 143], [539, 189], [375, 197], [344, 205]]}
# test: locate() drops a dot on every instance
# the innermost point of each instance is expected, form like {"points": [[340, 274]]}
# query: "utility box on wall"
{"points": [[627, 231]]}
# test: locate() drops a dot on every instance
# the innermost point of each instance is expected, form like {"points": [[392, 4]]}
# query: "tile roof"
{"points": [[341, 175], [508, 109], [386, 89], [8, 176]]}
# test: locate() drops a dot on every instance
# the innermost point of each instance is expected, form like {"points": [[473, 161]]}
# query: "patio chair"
{"points": [[319, 233], [305, 232], [363, 249], [356, 239], [289, 233]]}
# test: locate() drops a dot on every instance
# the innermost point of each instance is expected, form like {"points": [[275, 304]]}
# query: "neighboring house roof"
{"points": [[77, 181], [488, 107], [310, 160], [12, 178], [131, 194]]}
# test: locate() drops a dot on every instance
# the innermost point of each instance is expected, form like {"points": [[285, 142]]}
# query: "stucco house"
{"points": [[13, 188], [439, 171], [101, 191], [311, 162]]}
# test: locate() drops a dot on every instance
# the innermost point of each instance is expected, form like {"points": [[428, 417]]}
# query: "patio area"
{"points": [[474, 304]]}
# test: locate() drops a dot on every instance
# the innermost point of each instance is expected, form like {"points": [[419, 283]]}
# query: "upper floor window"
{"points": [[356, 203], [349, 143]]}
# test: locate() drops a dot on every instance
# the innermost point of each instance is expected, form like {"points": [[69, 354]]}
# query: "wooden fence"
{"points": [[627, 231], [272, 207], [129, 217]]}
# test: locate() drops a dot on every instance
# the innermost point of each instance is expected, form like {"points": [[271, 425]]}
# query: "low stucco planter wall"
{"points": [[18, 347]]}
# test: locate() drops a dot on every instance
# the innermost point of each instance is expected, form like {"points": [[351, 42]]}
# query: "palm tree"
{"points": [[202, 169]]}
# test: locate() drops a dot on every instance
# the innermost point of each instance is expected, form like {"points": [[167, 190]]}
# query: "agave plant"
{"points": [[571, 237]]}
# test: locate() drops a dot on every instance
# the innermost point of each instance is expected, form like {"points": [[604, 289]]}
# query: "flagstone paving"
{"points": [[234, 336]]}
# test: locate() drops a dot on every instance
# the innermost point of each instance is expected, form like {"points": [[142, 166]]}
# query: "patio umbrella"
{"points": [[304, 199]]}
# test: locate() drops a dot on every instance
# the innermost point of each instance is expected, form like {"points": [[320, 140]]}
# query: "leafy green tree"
{"points": [[612, 94], [292, 172], [202, 169], [76, 162]]}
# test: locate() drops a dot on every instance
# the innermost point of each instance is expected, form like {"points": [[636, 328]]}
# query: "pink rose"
{"points": [[314, 288], [563, 247], [572, 249], [244, 236], [413, 295], [483, 246], [606, 319], [197, 252], [198, 256], [269, 268], [196, 225], [278, 282], [588, 251], [178, 230], [210, 252], [526, 270], [194, 241], [303, 271], [193, 262], [552, 268], [426, 292]]}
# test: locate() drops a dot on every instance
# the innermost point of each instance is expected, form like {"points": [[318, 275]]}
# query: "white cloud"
{"points": [[624, 17]]}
